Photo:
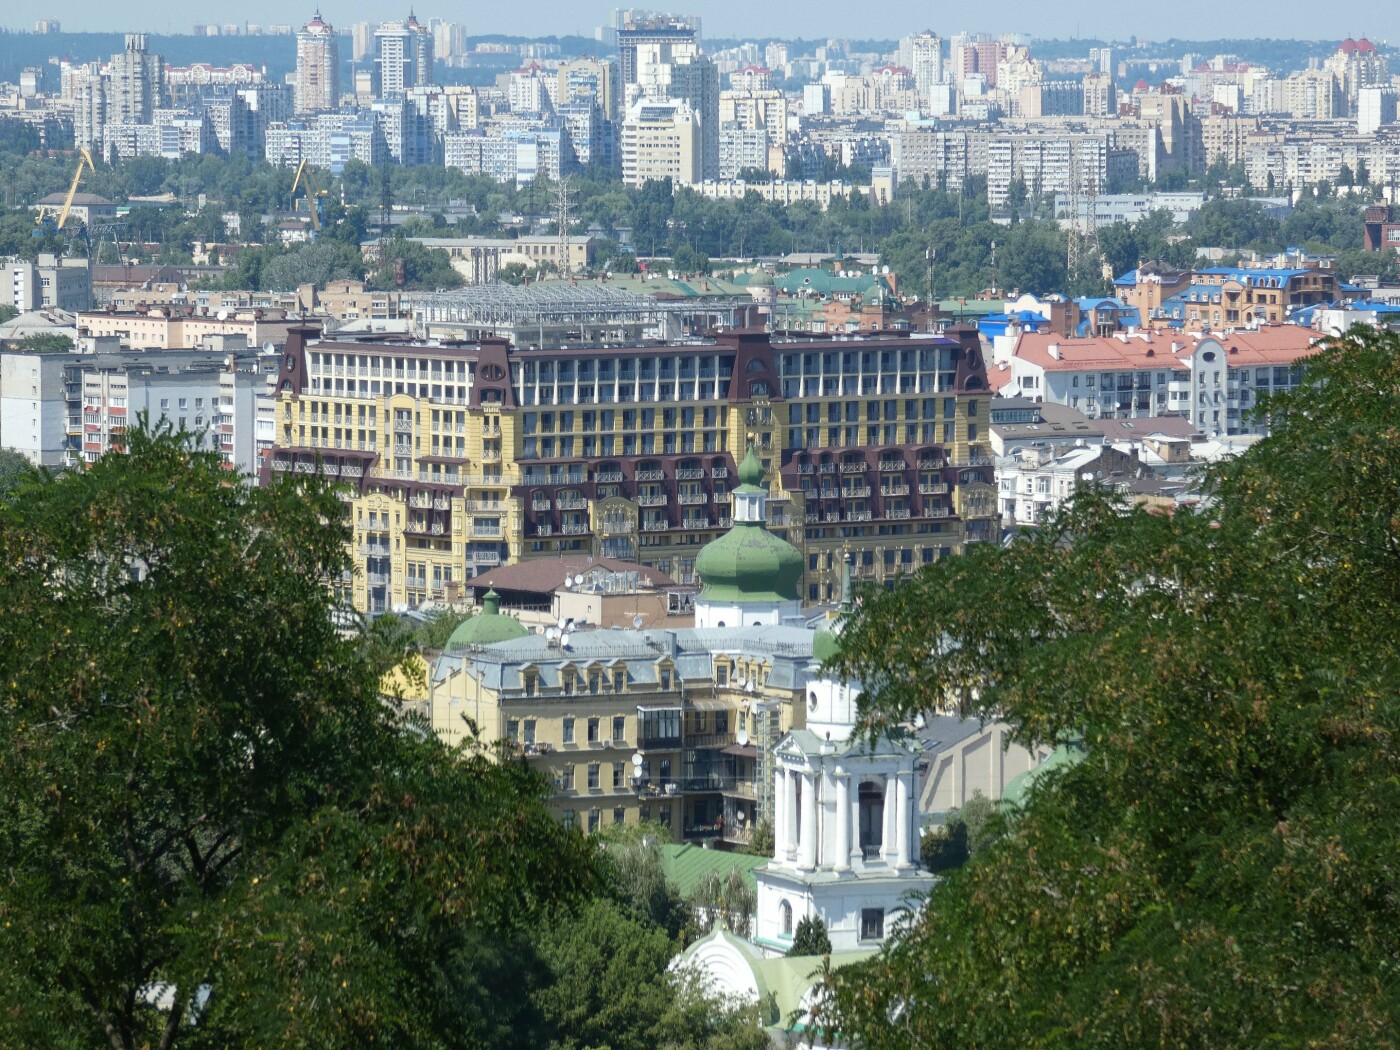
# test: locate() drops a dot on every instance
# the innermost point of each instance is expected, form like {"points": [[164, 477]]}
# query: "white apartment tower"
{"points": [[926, 62], [1375, 106], [318, 67], [405, 58], [661, 140]]}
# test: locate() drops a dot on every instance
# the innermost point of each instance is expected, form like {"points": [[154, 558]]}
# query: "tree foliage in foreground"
{"points": [[1220, 871], [213, 832]]}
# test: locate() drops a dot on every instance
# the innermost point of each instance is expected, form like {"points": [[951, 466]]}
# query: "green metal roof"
{"points": [[687, 865], [823, 282]]}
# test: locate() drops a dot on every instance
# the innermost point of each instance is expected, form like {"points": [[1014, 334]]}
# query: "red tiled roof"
{"points": [[1271, 344]]}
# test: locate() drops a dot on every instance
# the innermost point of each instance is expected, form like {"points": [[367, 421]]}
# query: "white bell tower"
{"points": [[846, 828]]}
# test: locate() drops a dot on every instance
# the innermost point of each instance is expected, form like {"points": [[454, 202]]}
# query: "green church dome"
{"points": [[489, 625], [748, 563]]}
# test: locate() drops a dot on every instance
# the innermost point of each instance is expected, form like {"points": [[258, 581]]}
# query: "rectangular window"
{"points": [[872, 924], [619, 815], [512, 729], [619, 729], [529, 730], [619, 776], [592, 820], [570, 819], [568, 730], [593, 776], [593, 736]]}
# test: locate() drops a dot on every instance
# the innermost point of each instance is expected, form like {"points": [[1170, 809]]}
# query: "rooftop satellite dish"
{"points": [[749, 687], [741, 737], [223, 315], [563, 623], [742, 816], [552, 633], [564, 640], [637, 759], [637, 623]]}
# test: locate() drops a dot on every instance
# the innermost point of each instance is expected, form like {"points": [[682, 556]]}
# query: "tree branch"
{"points": [[113, 1037], [172, 1023]]}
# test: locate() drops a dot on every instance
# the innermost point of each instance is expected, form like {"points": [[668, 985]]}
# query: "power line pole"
{"points": [[563, 214], [1074, 245]]}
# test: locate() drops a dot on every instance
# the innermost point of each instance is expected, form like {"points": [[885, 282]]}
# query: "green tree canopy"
{"points": [[1220, 870], [810, 937], [214, 832]]}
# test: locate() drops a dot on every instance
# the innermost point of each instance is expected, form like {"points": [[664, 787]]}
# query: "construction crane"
{"points": [[313, 196], [45, 217]]}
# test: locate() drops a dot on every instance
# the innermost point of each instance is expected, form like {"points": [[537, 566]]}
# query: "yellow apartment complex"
{"points": [[458, 457]]}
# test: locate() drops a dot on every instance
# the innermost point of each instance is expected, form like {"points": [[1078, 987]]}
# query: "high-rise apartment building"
{"points": [[924, 60], [405, 58], [1100, 96], [89, 92], [462, 456], [662, 140], [673, 38], [697, 82], [1375, 106], [318, 67], [136, 83]]}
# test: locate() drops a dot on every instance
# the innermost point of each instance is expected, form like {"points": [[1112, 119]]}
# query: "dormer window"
{"points": [[530, 683], [665, 678], [619, 680], [721, 672], [595, 681]]}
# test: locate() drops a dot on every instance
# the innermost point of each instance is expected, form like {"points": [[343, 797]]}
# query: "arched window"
{"points": [[785, 912]]}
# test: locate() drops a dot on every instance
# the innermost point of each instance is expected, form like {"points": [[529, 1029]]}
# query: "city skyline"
{"points": [[731, 19]]}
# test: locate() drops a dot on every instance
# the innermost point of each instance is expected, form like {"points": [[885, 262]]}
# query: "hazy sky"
{"points": [[884, 19]]}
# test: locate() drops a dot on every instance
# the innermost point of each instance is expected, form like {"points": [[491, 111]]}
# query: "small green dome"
{"points": [[762, 279], [489, 625], [751, 470]]}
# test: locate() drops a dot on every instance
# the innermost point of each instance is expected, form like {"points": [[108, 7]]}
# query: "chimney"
{"points": [[1054, 350]]}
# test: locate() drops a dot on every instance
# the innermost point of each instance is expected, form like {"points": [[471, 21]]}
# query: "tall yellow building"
{"points": [[458, 457]]}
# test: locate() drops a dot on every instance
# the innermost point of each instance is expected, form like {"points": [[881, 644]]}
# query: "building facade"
{"points": [[662, 140], [461, 457], [1214, 380], [318, 67]]}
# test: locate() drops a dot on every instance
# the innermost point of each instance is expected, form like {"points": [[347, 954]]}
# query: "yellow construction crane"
{"points": [[313, 203], [84, 160]]}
